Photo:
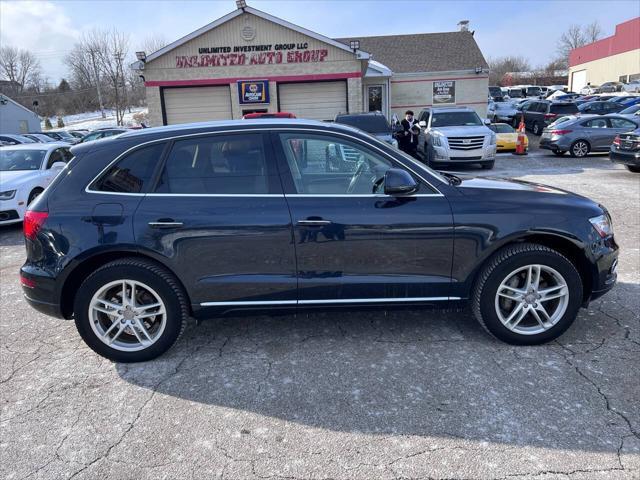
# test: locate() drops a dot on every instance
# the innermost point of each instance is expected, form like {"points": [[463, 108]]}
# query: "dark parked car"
{"points": [[496, 94], [374, 123], [600, 108], [539, 114], [102, 133], [580, 135], [14, 139], [609, 87], [145, 229], [626, 150]]}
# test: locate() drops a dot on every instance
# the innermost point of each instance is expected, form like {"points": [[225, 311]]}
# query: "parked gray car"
{"points": [[582, 134], [504, 112]]}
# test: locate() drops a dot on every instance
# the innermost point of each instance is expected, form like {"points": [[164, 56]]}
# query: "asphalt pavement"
{"points": [[377, 394]]}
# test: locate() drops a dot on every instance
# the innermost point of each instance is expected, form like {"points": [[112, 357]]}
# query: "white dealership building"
{"points": [[250, 61]]}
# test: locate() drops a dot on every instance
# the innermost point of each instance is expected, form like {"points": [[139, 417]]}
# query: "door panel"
{"points": [[362, 245], [219, 219]]}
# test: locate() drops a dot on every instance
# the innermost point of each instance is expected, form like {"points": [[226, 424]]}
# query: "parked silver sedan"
{"points": [[581, 134]]}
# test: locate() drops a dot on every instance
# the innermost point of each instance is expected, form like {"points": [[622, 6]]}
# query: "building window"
{"points": [[374, 93], [623, 78]]}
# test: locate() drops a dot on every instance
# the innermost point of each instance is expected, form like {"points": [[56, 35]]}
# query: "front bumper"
{"points": [[12, 211], [479, 155], [625, 157], [605, 253]]}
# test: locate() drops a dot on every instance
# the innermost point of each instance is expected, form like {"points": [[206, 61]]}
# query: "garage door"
{"points": [[578, 80], [197, 104], [314, 100]]}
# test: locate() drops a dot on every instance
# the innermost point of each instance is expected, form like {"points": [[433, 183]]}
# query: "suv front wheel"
{"points": [[130, 310], [527, 294]]}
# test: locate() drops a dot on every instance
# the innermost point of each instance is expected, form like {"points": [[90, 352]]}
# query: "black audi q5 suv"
{"points": [[145, 229]]}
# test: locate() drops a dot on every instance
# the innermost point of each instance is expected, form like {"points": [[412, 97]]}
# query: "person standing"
{"points": [[408, 138]]}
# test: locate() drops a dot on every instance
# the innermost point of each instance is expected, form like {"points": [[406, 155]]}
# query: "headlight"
{"points": [[7, 195], [435, 140], [602, 225], [492, 140], [394, 143]]}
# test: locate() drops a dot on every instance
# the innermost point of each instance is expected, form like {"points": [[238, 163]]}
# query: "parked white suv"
{"points": [[454, 135]]}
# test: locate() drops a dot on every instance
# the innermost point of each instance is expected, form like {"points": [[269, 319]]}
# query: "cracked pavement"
{"points": [[376, 394]]}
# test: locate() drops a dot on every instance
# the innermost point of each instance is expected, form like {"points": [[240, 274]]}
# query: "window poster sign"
{"points": [[253, 91], [444, 92]]}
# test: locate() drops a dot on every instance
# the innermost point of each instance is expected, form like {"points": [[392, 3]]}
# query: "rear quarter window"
{"points": [[132, 173]]}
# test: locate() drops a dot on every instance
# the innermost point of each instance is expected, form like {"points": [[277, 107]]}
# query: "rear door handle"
{"points": [[165, 223], [313, 223]]}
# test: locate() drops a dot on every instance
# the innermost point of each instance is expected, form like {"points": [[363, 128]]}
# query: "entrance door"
{"points": [[219, 219], [353, 243], [375, 98]]}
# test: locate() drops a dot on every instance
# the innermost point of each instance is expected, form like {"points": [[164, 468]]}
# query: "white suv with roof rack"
{"points": [[454, 135]]}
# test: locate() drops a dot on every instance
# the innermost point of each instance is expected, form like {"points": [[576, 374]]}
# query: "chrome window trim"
{"points": [[327, 302], [221, 132]]}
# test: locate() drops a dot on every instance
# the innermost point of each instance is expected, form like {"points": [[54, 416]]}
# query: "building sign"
{"points": [[253, 91], [226, 56], [444, 92]]}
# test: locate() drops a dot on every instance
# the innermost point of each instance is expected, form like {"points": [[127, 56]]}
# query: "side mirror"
{"points": [[58, 165], [399, 182], [422, 123]]}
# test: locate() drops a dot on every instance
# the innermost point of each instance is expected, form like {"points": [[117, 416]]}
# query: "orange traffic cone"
{"points": [[520, 150]]}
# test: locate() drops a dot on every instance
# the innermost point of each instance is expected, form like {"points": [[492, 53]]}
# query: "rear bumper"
{"points": [[42, 294], [625, 157], [554, 144]]}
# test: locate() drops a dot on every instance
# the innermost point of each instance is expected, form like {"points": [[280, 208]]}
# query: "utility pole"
{"points": [[95, 73]]}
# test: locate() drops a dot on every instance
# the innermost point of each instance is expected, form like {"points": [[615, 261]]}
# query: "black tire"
{"points": [[488, 165], [577, 151], [499, 266], [633, 169], [153, 275], [536, 129], [33, 195], [559, 153]]}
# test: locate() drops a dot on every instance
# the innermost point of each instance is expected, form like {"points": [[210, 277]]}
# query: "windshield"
{"points": [[64, 134], [630, 110], [455, 119], [516, 93], [368, 123], [501, 128], [13, 160]]}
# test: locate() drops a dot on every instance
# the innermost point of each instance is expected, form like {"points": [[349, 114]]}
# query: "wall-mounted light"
{"points": [[241, 4], [354, 45], [141, 56]]}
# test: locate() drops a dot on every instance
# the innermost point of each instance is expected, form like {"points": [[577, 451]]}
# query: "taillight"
{"points": [[27, 282], [33, 221], [616, 141], [550, 115], [560, 132]]}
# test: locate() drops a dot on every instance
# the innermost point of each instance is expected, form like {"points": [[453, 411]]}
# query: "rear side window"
{"points": [[131, 174], [220, 164], [564, 109]]}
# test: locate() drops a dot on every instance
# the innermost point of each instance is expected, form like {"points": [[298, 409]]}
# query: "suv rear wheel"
{"points": [[527, 294], [579, 148], [130, 310]]}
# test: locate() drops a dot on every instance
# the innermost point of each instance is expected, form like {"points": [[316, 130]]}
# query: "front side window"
{"points": [[622, 123], [133, 173], [56, 156], [219, 164], [324, 164]]}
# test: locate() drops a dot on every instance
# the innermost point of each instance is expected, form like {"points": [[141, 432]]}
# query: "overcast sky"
{"points": [[502, 27]]}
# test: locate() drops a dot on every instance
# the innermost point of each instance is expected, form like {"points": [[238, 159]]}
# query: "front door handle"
{"points": [[313, 223], [165, 223]]}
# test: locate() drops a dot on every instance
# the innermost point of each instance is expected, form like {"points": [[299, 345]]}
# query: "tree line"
{"points": [[97, 76], [503, 71]]}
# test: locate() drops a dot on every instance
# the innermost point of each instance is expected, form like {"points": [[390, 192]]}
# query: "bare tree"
{"points": [[499, 67], [575, 37], [111, 60], [153, 43], [19, 66], [592, 32]]}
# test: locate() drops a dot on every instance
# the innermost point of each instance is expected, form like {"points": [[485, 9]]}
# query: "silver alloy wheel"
{"points": [[580, 149], [532, 299], [127, 315]]}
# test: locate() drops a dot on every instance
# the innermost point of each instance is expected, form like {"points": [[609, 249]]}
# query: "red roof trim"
{"points": [[226, 81], [626, 38]]}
